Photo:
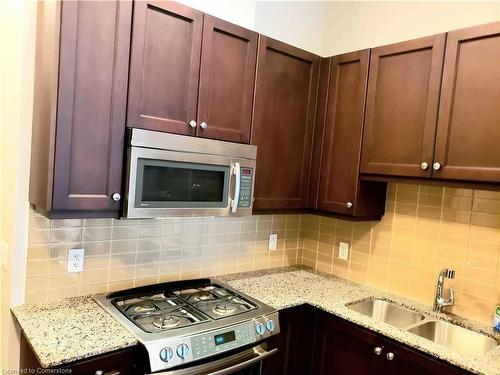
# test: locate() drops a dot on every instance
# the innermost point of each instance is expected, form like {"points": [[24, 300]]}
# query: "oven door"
{"points": [[248, 362], [170, 183]]}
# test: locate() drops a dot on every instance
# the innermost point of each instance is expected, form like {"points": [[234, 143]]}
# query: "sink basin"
{"points": [[387, 312], [454, 337]]}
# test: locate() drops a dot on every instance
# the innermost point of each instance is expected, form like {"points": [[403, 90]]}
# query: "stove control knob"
{"points": [[183, 350], [260, 329], [270, 325], [166, 354]]}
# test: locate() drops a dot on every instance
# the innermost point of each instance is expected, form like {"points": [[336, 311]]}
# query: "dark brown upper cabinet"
{"points": [[82, 54], [285, 100], [164, 67], [340, 190], [468, 134], [190, 73], [402, 107], [227, 79]]}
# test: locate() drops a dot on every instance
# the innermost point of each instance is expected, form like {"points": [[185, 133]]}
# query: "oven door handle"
{"points": [[237, 362], [237, 187]]}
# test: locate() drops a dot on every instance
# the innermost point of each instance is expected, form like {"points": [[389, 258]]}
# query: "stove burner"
{"points": [[224, 308], [166, 321], [144, 307], [202, 296]]}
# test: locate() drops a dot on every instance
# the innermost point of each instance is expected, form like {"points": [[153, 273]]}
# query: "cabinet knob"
{"points": [[424, 165], [99, 372], [390, 356], [377, 350], [192, 123], [348, 204], [203, 125], [436, 166], [116, 197]]}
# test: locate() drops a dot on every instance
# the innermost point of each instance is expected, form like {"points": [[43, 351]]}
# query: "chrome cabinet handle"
{"points": [[390, 356], [116, 197], [424, 165], [203, 125], [192, 123], [348, 204], [100, 372], [436, 166], [377, 350]]}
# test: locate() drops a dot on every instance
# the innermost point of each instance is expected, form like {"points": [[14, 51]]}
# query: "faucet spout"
{"points": [[439, 301]]}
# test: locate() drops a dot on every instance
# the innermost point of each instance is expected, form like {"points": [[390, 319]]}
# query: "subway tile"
{"points": [[124, 246], [66, 223], [147, 231], [97, 233], [124, 233], [71, 234]]}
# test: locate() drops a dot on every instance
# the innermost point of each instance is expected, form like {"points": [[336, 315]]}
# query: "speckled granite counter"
{"points": [[71, 329], [284, 288], [77, 328]]}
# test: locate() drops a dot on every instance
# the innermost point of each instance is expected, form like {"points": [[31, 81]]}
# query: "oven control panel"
{"points": [[246, 187], [173, 352]]}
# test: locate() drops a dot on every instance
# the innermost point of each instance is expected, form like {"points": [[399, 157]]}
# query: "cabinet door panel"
{"points": [[411, 362], [343, 132], [227, 78], [94, 51], [342, 348], [164, 67], [401, 108], [285, 100], [468, 129]]}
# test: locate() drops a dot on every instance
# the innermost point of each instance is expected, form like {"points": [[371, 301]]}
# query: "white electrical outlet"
{"points": [[273, 242], [343, 250], [75, 260]]}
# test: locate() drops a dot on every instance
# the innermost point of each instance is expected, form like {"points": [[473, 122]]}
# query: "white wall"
{"points": [[17, 38], [240, 12], [300, 23], [353, 25]]}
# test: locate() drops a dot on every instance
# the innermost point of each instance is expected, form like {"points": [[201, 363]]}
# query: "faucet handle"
{"points": [[452, 296]]}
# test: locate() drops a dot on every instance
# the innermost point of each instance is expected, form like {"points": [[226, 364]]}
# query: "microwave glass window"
{"points": [[180, 184], [167, 184]]}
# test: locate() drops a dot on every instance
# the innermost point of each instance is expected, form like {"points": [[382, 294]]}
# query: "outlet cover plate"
{"points": [[75, 260], [343, 250], [273, 242]]}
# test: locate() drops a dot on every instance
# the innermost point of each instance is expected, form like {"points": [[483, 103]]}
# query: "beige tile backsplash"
{"points": [[125, 253], [425, 228]]}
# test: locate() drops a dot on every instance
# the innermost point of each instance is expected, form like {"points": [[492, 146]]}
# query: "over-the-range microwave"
{"points": [[176, 175]]}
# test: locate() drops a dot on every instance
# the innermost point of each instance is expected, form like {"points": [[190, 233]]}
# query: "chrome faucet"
{"points": [[439, 301]]}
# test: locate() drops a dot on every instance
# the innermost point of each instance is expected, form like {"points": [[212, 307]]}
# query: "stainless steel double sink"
{"points": [[450, 335]]}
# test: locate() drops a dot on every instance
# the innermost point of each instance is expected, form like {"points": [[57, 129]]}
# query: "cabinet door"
{"points": [[227, 79], [285, 98], [94, 52], [295, 342], [401, 107], [343, 348], [343, 132], [164, 67], [468, 133], [411, 362]]}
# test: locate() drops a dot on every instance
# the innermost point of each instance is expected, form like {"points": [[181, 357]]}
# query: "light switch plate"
{"points": [[75, 260], [343, 250], [273, 242]]}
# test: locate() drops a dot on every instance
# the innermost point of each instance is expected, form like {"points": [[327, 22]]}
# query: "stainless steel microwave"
{"points": [[176, 175]]}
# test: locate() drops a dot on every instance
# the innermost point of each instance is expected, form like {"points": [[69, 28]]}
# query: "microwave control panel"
{"points": [[246, 187]]}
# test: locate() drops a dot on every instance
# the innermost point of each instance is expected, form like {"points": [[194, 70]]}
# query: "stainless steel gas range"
{"points": [[196, 326]]}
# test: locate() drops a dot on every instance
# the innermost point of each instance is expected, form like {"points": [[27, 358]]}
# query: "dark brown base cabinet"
{"points": [[318, 343]]}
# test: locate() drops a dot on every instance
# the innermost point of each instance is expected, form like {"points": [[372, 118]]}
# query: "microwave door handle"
{"points": [[237, 187]]}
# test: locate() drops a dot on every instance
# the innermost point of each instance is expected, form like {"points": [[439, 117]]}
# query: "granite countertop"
{"points": [[77, 328], [70, 330]]}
